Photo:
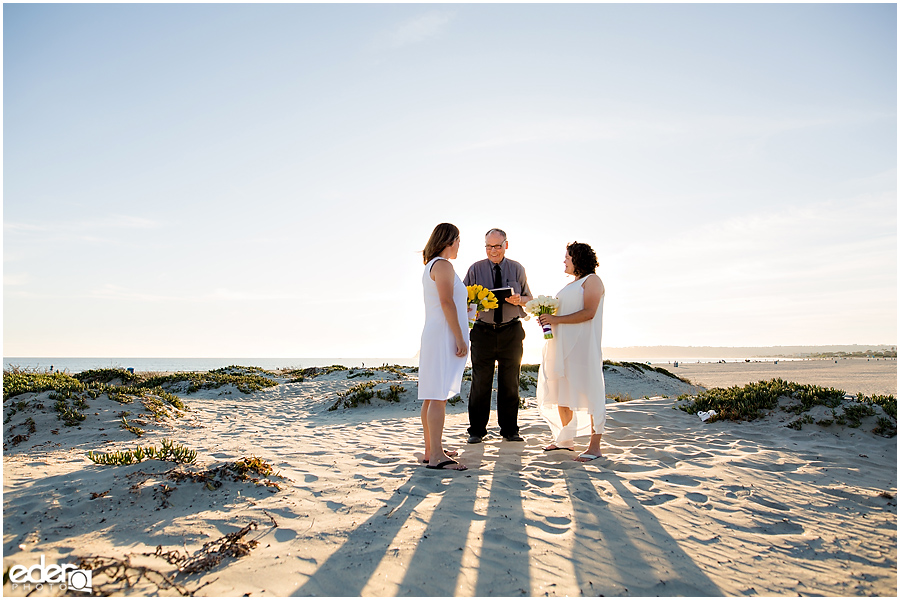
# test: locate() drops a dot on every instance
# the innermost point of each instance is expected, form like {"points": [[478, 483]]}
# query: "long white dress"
{"points": [[440, 370], [571, 372]]}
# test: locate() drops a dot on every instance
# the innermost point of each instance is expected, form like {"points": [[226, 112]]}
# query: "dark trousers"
{"points": [[504, 346]]}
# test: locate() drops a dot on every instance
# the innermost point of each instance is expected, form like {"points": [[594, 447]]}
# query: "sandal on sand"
{"points": [[553, 447], [442, 465], [450, 453], [585, 457]]}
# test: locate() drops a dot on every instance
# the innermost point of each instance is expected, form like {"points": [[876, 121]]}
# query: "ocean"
{"points": [[78, 364]]}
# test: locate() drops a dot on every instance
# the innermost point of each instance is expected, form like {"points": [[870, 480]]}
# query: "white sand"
{"points": [[853, 375], [676, 506]]}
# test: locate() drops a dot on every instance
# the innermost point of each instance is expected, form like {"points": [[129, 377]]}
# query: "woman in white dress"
{"points": [[570, 380], [445, 341]]}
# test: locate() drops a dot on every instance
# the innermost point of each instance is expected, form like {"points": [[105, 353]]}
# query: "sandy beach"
{"points": [[853, 375], [675, 507]]}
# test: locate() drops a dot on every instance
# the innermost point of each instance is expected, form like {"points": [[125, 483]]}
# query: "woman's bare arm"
{"points": [[593, 292], [443, 274]]}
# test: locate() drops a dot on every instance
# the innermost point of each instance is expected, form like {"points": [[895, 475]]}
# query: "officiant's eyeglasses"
{"points": [[494, 246]]}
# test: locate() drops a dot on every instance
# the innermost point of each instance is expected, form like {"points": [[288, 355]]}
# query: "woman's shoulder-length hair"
{"points": [[584, 259]]}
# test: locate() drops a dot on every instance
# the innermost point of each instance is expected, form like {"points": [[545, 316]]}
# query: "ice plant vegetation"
{"points": [[169, 450]]}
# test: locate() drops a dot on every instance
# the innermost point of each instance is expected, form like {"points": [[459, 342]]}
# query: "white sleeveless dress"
{"points": [[571, 372], [440, 370]]}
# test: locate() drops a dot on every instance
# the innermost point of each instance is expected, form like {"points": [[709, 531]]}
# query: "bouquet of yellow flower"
{"points": [[543, 305], [480, 298]]}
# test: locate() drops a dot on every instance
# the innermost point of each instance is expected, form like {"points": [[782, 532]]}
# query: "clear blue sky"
{"points": [[259, 180]]}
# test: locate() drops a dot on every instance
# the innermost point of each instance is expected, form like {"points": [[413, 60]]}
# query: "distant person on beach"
{"points": [[445, 340], [497, 336], [570, 380]]}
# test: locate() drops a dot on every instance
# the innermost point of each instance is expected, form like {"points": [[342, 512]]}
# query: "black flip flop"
{"points": [[445, 452], [443, 464], [559, 448]]}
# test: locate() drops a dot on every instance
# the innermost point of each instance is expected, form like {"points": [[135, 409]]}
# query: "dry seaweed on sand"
{"points": [[115, 576], [212, 553], [251, 469]]}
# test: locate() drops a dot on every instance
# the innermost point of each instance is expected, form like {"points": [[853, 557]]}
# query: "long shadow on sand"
{"points": [[440, 550], [440, 544], [625, 550], [437, 562], [505, 541]]}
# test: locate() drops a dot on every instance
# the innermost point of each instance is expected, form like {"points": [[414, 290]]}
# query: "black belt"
{"points": [[497, 325]]}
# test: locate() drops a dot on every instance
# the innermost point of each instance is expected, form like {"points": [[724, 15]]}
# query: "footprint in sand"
{"points": [[625, 467], [382, 460], [553, 525], [642, 484], [284, 535], [786, 467], [589, 496], [769, 503], [682, 480], [696, 497], [657, 499], [735, 491], [784, 527], [540, 483]]}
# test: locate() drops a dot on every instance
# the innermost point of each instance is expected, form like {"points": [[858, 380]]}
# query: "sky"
{"points": [[259, 180]]}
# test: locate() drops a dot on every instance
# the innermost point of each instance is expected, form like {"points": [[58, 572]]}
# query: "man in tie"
{"points": [[497, 336]]}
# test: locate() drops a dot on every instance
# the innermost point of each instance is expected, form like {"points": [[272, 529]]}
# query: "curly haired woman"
{"points": [[570, 380]]}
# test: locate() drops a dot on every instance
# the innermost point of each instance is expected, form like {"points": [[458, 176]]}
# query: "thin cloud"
{"points": [[15, 279], [540, 128], [219, 295], [83, 226], [116, 292], [419, 29]]}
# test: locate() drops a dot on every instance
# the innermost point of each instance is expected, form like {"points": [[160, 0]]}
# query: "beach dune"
{"points": [[676, 506]]}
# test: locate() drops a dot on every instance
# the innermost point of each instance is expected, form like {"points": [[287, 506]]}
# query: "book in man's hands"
{"points": [[502, 293]]}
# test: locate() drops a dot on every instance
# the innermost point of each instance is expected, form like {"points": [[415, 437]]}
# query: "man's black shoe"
{"points": [[514, 438], [474, 439]]}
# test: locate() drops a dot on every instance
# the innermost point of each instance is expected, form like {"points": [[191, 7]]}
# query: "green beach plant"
{"points": [[361, 393], [168, 451], [527, 381], [247, 382], [750, 402], [318, 371], [746, 403], [129, 427], [363, 373], [643, 368], [392, 394], [70, 416], [885, 427], [106, 376], [16, 383]]}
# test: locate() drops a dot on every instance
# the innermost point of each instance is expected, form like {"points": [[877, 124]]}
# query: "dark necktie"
{"points": [[498, 283]]}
